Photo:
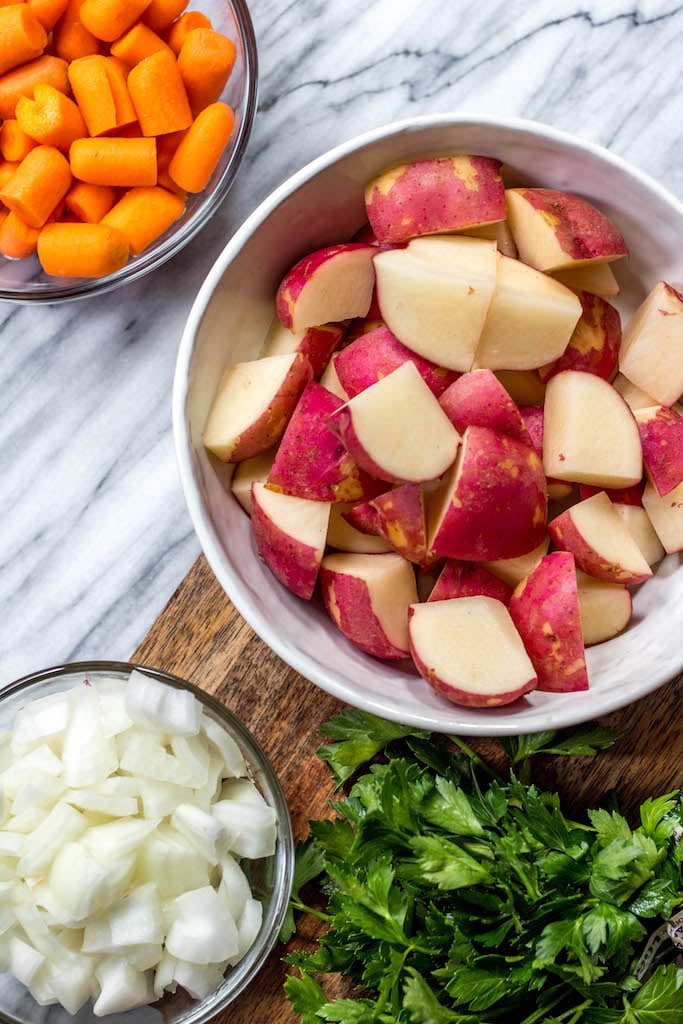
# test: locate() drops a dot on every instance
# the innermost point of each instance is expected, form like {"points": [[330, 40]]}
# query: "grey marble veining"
{"points": [[94, 535]]}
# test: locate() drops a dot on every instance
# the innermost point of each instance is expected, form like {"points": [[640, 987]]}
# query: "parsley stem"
{"points": [[475, 758], [297, 904]]}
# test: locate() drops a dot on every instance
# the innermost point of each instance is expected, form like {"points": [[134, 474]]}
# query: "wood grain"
{"points": [[201, 637]]}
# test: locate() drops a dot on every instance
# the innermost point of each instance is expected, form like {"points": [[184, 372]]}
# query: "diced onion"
{"points": [[126, 810]]}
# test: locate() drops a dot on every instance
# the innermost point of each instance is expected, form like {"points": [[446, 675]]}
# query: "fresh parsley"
{"points": [[456, 896]]}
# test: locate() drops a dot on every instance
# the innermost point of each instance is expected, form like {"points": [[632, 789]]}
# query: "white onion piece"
{"points": [[88, 756], [121, 987], [202, 831], [162, 707], [202, 930], [44, 719], [116, 883], [252, 828]]}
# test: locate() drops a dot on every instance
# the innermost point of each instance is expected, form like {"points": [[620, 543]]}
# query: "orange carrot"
{"points": [[22, 37], [136, 44], [71, 39], [205, 62], [160, 14], [14, 143], [51, 118], [47, 12], [197, 156], [101, 93], [113, 161], [143, 214], [185, 24], [81, 250], [7, 169], [166, 147], [89, 203], [109, 19], [17, 238], [39, 183], [21, 82], [158, 95]]}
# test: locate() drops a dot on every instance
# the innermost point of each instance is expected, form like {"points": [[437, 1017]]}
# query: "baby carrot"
{"points": [[136, 44], [143, 214], [51, 118], [166, 147], [7, 169], [114, 161], [117, 75], [109, 19], [71, 39], [81, 250], [89, 203], [159, 14], [17, 238], [100, 89], [22, 37], [39, 183], [205, 62], [14, 143], [185, 24], [22, 81], [197, 156], [47, 12], [158, 95]]}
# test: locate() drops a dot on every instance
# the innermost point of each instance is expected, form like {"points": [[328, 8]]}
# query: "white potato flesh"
{"points": [[666, 515], [601, 531], [634, 396], [639, 526], [254, 470], [436, 310], [651, 352], [514, 570], [590, 435], [401, 426], [604, 608], [338, 289], [344, 537], [300, 518], [330, 380], [597, 279], [245, 394], [471, 645], [530, 320]]}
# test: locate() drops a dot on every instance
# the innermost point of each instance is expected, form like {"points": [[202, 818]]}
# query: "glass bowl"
{"points": [[270, 878], [24, 281]]}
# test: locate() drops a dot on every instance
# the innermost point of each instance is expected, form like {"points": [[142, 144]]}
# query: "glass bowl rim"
{"points": [[177, 240], [244, 972]]}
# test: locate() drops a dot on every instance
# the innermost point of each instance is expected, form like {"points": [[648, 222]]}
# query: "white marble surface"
{"points": [[94, 535]]}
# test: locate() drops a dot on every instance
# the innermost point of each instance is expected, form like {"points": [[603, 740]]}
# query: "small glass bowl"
{"points": [[24, 281], [270, 878]]}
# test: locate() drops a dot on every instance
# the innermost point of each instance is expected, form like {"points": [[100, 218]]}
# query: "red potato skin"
{"points": [[261, 436], [348, 604], [311, 462], [479, 399], [296, 279], [363, 325], [594, 345], [467, 579], [295, 565], [364, 518], [661, 437], [620, 496], [464, 697], [318, 344], [499, 506], [545, 610], [378, 353], [565, 536], [583, 231], [401, 519], [442, 194]]}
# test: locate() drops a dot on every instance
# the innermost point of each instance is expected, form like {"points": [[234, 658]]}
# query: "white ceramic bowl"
{"points": [[321, 204]]}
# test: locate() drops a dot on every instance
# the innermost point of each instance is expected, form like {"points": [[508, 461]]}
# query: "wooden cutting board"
{"points": [[201, 637]]}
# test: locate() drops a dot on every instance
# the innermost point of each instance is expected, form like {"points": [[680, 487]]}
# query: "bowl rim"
{"points": [[202, 1010], [299, 660], [87, 287]]}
